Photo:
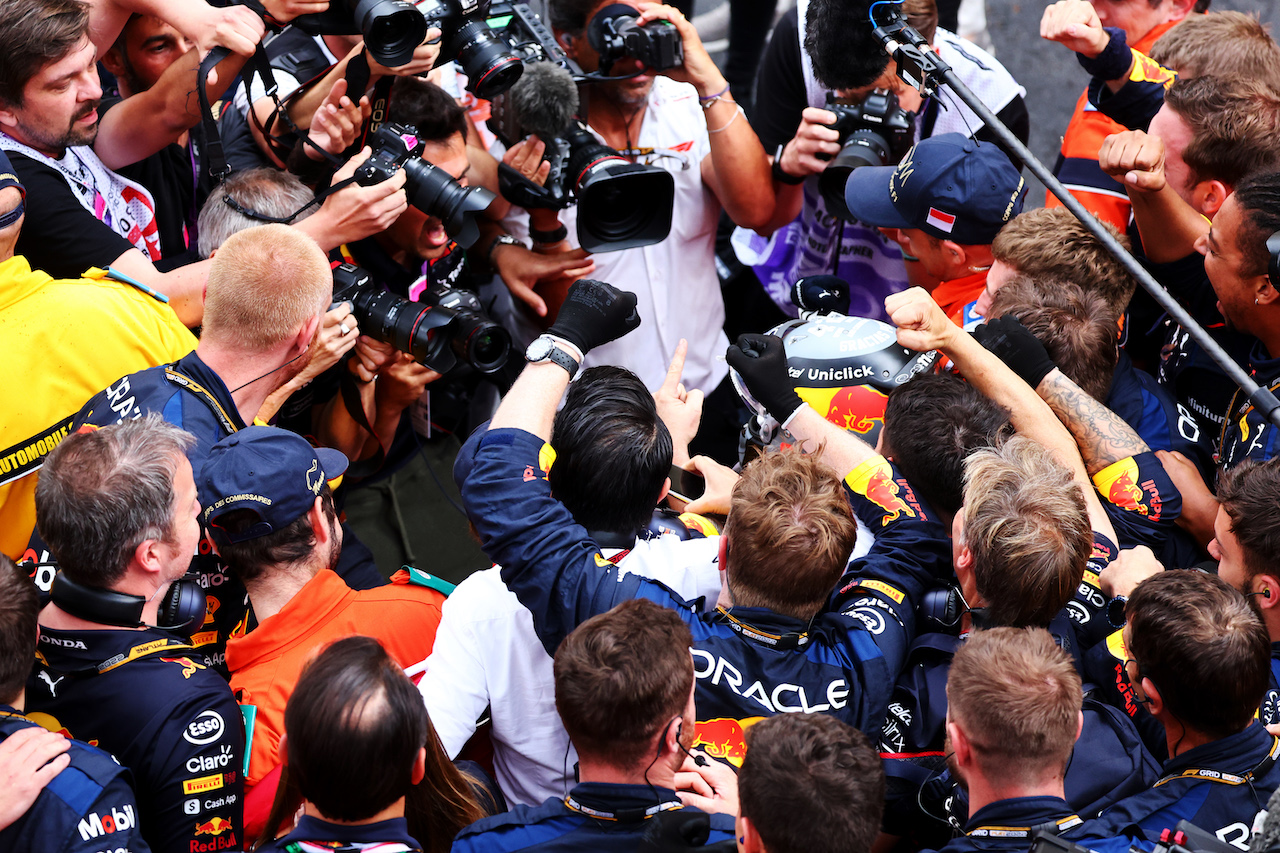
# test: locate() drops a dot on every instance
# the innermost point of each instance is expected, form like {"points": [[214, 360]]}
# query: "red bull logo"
{"points": [[213, 826], [1119, 484], [857, 408], [189, 666], [724, 738], [874, 480]]}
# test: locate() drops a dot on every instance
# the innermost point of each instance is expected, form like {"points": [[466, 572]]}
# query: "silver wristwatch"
{"points": [[545, 348]]}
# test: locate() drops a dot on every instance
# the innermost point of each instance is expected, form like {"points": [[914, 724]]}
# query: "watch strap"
{"points": [[557, 354], [781, 176]]}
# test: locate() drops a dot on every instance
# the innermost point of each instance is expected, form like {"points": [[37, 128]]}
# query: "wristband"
{"points": [[781, 176], [706, 102], [549, 238], [1114, 61]]}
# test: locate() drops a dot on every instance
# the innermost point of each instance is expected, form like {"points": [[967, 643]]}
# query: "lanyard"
{"points": [[1264, 766], [792, 640], [624, 815], [206, 397], [1025, 832], [139, 651]]}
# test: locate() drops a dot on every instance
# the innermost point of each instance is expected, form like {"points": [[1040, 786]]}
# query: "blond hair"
{"points": [[265, 283]]}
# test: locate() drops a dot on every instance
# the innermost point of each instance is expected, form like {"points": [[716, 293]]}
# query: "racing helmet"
{"points": [[844, 367]]}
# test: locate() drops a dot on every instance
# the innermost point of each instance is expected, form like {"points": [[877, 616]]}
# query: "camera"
{"points": [[430, 189], [621, 204], [614, 34], [393, 29], [876, 132], [448, 327]]}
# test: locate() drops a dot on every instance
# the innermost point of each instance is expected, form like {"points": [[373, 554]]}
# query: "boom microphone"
{"points": [[544, 100]]}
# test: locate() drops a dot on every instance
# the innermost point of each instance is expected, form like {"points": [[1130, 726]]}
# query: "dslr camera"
{"points": [[447, 328], [876, 132], [430, 189], [393, 29], [614, 34]]}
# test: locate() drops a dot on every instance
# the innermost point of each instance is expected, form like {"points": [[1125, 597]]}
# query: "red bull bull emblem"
{"points": [[724, 738], [213, 826], [857, 408], [189, 666], [1119, 483], [874, 480]]}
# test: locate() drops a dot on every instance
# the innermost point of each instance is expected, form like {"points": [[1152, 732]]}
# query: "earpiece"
{"points": [[1265, 592], [1273, 259], [699, 760]]}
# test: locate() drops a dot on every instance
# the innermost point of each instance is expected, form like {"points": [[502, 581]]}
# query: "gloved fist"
{"points": [[1014, 344], [595, 313], [761, 361], [821, 294]]}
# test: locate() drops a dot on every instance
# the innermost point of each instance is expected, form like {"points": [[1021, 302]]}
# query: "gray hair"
{"points": [[103, 492], [269, 192]]}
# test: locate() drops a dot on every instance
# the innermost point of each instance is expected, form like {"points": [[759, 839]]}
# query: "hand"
{"points": [[402, 383], [922, 325], [1129, 569], [813, 137], [332, 343], [423, 60], [521, 270], [526, 158], [595, 313], [337, 121], [1199, 506], [1134, 158], [371, 358], [1022, 352], [698, 68], [761, 361], [720, 480], [713, 787], [1075, 24], [356, 212], [236, 28], [680, 409], [29, 760], [287, 10]]}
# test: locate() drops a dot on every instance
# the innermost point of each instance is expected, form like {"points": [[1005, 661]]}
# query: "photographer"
{"points": [[683, 120], [809, 58]]}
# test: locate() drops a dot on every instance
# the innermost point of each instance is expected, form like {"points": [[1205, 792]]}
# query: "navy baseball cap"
{"points": [[9, 178], [273, 472], [949, 186]]}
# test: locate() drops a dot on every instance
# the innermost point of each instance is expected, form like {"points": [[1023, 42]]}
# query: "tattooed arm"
{"points": [[1103, 438]]}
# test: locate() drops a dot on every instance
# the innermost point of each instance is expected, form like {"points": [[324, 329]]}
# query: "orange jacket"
{"points": [[266, 662], [1077, 165]]}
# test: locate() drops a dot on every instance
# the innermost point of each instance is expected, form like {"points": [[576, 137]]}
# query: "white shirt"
{"points": [[675, 281], [486, 654]]}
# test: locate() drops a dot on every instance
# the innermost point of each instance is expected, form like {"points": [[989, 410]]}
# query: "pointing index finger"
{"points": [[674, 372]]}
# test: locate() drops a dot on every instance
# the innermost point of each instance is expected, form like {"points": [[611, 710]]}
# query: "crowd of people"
{"points": [[977, 550]]}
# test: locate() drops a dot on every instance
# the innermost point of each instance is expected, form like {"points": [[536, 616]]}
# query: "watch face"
{"points": [[538, 350]]}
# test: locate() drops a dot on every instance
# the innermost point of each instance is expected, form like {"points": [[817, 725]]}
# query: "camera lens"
{"points": [[436, 193], [392, 29], [491, 69], [481, 342], [863, 148]]}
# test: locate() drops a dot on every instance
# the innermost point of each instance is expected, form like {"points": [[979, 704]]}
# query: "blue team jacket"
{"points": [[594, 816], [750, 663], [87, 807]]}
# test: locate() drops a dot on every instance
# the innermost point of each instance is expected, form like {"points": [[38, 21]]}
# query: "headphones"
{"points": [[943, 606], [1273, 259], [182, 609]]}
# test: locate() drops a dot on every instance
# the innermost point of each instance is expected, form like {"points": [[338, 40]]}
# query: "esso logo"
{"points": [[204, 729]]}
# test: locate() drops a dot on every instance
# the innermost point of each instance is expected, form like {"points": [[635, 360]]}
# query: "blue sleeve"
{"points": [[547, 559], [110, 823], [910, 554], [1140, 499]]}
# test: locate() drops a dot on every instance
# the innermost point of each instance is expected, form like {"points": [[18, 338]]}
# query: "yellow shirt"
{"points": [[62, 342]]}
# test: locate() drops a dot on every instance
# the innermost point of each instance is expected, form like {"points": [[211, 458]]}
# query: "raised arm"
{"points": [[922, 326]]}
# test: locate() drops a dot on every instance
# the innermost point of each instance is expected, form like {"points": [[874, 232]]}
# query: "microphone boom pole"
{"points": [[922, 68]]}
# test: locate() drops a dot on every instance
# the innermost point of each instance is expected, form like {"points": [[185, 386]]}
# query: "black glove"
{"points": [[595, 313], [761, 361], [1014, 344]]}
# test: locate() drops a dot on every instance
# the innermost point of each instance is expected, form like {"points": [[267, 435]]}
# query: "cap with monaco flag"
{"points": [[949, 186]]}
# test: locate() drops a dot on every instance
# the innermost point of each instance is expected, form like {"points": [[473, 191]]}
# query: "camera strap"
{"points": [[350, 390]]}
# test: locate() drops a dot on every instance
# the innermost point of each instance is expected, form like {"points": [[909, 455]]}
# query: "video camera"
{"points": [[876, 132], [1185, 838], [429, 188], [448, 327], [614, 34], [393, 29]]}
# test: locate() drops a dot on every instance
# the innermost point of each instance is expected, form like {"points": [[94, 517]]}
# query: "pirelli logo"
{"points": [[201, 784], [880, 586], [28, 455]]}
